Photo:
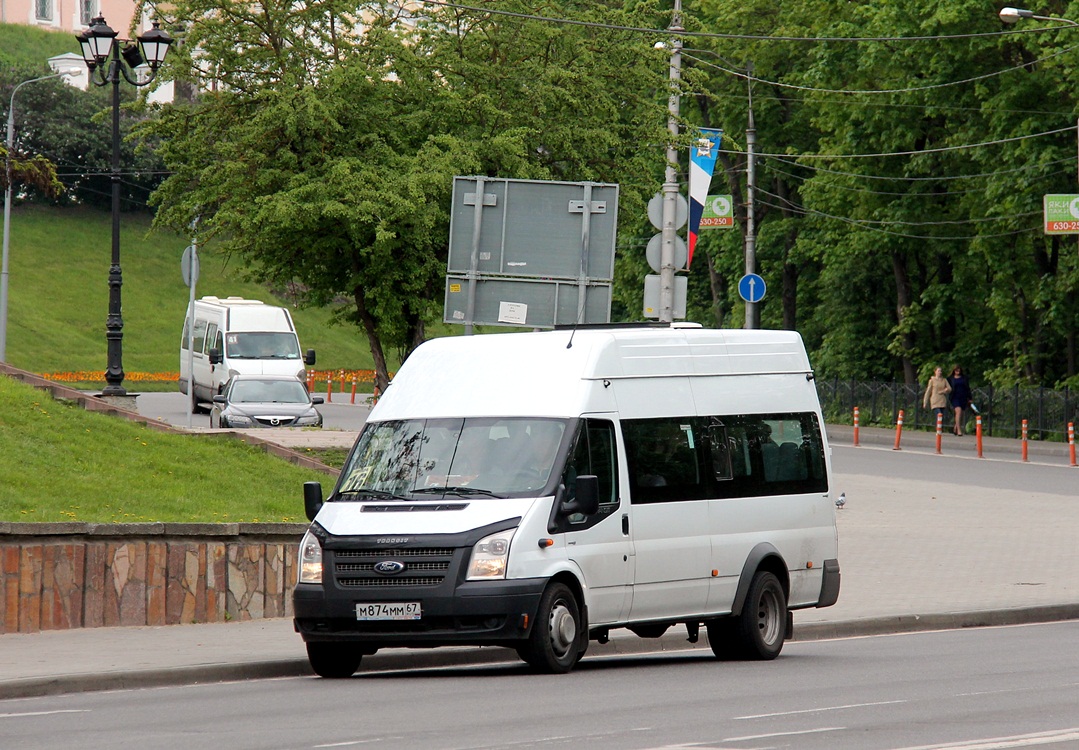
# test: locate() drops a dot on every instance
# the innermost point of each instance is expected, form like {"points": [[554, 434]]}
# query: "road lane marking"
{"points": [[782, 734], [816, 710], [46, 713], [1004, 743]]}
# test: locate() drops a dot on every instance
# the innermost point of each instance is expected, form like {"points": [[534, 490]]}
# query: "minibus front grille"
{"points": [[387, 554], [343, 567], [353, 583], [419, 566]]}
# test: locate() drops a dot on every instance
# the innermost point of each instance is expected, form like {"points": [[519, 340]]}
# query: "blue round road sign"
{"points": [[751, 287]]}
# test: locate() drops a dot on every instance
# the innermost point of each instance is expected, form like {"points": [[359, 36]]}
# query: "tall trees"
{"points": [[323, 146]]}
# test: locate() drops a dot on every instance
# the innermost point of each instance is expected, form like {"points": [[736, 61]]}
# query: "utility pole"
{"points": [[670, 183], [753, 312]]}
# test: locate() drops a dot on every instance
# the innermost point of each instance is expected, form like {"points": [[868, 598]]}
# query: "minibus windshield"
{"points": [[262, 345], [474, 457]]}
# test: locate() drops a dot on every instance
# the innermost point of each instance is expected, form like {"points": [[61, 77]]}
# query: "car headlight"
{"points": [[237, 420], [301, 374], [490, 556], [310, 559], [309, 420]]}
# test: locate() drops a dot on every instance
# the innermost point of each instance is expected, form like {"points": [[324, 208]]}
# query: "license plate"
{"points": [[388, 611]]}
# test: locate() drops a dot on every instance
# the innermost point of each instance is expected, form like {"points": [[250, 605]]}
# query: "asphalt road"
{"points": [[983, 689], [172, 408]]}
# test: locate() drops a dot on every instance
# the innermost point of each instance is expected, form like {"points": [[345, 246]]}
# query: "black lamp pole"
{"points": [[102, 52]]}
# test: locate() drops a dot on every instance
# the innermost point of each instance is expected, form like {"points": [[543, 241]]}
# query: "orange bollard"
{"points": [[898, 430], [855, 426], [1071, 442], [940, 429], [978, 435], [374, 395], [329, 389], [310, 382], [353, 400], [1024, 440]]}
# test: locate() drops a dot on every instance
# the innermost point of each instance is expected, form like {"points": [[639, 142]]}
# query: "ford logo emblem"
{"points": [[389, 567]]}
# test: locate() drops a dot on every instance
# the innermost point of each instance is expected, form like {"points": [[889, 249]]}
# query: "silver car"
{"points": [[265, 401]]}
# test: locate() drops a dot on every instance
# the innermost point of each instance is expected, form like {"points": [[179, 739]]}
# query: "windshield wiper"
{"points": [[368, 492], [459, 490]]}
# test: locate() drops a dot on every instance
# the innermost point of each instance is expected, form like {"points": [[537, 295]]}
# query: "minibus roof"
{"points": [[567, 372]]}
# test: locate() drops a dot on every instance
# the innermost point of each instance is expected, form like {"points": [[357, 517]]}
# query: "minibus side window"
{"points": [[594, 452], [773, 454], [187, 329], [211, 335], [665, 458], [200, 335]]}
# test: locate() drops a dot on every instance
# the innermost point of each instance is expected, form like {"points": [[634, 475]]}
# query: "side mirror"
{"points": [[316, 400], [215, 356], [219, 399], [312, 499], [587, 499], [309, 358]]}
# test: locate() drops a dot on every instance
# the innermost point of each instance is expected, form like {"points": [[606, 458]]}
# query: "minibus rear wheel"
{"points": [[758, 632], [334, 660], [553, 646]]}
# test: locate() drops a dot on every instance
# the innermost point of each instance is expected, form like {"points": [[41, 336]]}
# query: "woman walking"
{"points": [[960, 397], [936, 393]]}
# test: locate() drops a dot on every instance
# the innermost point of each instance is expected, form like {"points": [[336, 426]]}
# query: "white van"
{"points": [[235, 336], [539, 490]]}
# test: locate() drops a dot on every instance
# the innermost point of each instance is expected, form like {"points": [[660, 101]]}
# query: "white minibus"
{"points": [[230, 336], [540, 490]]}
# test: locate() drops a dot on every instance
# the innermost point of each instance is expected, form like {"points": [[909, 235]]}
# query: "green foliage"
{"points": [[62, 463], [58, 288], [72, 129], [326, 152], [22, 45]]}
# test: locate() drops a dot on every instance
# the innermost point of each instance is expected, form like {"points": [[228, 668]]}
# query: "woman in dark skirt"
{"points": [[960, 396]]}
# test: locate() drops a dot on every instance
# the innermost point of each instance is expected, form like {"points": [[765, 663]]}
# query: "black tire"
{"points": [[554, 646], [758, 633], [334, 661]]}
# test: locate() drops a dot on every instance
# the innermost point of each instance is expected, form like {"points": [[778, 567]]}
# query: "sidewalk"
{"points": [[915, 555]]}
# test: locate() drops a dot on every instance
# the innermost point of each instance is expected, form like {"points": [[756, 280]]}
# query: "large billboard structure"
{"points": [[530, 253]]}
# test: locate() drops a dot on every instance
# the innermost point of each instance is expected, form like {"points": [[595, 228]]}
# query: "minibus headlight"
{"points": [[490, 556], [310, 559]]}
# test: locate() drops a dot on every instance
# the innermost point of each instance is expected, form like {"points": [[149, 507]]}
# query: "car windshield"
{"points": [[268, 391], [465, 457], [262, 345]]}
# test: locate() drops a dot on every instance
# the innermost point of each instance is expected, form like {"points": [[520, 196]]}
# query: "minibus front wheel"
{"points": [[553, 645], [334, 660], [758, 632]]}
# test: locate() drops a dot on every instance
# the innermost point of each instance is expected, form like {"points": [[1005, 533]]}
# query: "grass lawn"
{"points": [[59, 297], [61, 463]]}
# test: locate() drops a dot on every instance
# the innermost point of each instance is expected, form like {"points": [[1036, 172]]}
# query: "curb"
{"points": [[400, 659]]}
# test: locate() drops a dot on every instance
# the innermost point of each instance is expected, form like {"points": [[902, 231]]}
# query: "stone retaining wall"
{"points": [[55, 576]]}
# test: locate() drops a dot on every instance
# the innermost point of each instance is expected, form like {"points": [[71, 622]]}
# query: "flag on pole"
{"points": [[702, 162]]}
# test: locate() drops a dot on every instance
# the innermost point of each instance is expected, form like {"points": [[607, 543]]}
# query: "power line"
{"points": [[861, 225], [854, 189], [942, 149], [908, 90], [744, 37], [898, 178]]}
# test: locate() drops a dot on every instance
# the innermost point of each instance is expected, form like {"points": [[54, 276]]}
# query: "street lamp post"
{"points": [[111, 61], [1013, 15], [10, 143]]}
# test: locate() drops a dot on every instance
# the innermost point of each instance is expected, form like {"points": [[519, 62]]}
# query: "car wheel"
{"points": [[553, 645], [758, 632], [334, 660]]}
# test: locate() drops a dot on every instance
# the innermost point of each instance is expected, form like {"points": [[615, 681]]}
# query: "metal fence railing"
{"points": [[1003, 410]]}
